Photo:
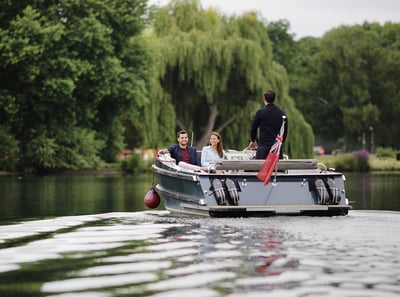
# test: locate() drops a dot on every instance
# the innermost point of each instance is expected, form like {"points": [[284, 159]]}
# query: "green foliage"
{"points": [[357, 161], [68, 67], [152, 125], [81, 79], [75, 149], [213, 71], [346, 84], [135, 163], [386, 152], [41, 151], [344, 163], [283, 44], [9, 151]]}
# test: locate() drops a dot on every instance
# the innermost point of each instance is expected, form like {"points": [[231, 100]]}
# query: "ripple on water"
{"points": [[153, 253], [151, 256], [89, 283], [203, 267], [82, 294], [190, 281], [126, 268], [324, 291], [198, 292]]}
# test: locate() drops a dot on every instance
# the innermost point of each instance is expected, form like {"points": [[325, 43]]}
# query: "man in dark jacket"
{"points": [[182, 151], [269, 120]]}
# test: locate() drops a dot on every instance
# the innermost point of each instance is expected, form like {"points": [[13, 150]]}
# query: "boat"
{"points": [[231, 188]]}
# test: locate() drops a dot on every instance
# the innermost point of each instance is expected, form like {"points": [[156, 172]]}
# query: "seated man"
{"points": [[181, 151]]}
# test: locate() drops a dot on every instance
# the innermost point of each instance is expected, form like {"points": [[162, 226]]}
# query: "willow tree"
{"points": [[213, 70]]}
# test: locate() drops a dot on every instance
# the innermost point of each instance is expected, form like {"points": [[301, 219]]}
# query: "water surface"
{"points": [[92, 236], [27, 197], [158, 254]]}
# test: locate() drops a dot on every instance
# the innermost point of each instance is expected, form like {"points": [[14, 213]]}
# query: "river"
{"points": [[91, 236], [26, 197]]}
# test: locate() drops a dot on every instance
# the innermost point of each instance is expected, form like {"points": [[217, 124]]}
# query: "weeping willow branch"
{"points": [[211, 65], [226, 123], [180, 124]]}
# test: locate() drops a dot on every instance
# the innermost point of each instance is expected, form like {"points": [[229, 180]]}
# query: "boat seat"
{"points": [[255, 165], [187, 166]]}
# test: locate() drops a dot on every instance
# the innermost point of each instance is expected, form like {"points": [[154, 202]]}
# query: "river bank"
{"points": [[376, 164], [72, 172]]}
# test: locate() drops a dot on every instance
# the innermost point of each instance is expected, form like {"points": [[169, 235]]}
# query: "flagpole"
{"points": [[276, 165]]}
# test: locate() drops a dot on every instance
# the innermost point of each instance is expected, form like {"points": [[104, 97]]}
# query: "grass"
{"points": [[376, 164], [386, 164]]}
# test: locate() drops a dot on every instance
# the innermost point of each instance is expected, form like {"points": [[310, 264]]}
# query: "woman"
{"points": [[213, 152]]}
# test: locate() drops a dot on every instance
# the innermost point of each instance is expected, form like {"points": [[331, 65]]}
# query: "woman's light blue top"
{"points": [[208, 156]]}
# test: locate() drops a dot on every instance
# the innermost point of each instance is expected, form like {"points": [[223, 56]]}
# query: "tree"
{"points": [[71, 70], [345, 84], [304, 82], [214, 69], [284, 46], [347, 68], [384, 86]]}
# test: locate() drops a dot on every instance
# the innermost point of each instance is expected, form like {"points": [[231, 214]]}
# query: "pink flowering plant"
{"points": [[357, 161], [361, 159]]}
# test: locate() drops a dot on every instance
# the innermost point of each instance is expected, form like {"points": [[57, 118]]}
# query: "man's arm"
{"points": [[254, 127]]}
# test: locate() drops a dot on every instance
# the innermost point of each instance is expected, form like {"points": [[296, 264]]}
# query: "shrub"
{"points": [[344, 162], [361, 158], [9, 151], [358, 161], [74, 148], [135, 163], [385, 152]]}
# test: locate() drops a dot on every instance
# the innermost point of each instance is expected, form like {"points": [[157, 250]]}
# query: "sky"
{"points": [[310, 17]]}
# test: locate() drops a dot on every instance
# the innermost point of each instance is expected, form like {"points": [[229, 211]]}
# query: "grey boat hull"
{"points": [[233, 191]]}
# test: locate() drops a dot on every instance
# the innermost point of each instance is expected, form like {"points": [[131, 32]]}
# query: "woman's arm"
{"points": [[204, 152]]}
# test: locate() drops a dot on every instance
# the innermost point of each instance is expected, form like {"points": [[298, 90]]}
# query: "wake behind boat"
{"points": [[231, 188]]}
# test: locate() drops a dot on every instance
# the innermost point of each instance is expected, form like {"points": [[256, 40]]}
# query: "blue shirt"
{"points": [[175, 152], [209, 156]]}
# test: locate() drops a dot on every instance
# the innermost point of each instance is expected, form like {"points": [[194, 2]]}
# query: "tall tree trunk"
{"points": [[209, 127]]}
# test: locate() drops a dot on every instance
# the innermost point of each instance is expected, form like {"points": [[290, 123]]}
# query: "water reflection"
{"points": [[159, 254], [96, 240], [35, 197], [39, 196], [376, 190]]}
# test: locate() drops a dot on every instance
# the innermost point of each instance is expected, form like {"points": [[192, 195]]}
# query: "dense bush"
{"points": [[9, 151], [361, 160], [344, 162], [357, 161], [135, 163], [385, 152]]}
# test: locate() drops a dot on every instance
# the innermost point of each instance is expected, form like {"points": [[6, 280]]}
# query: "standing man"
{"points": [[269, 120], [182, 151]]}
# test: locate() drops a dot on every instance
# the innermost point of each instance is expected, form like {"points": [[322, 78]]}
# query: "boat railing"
{"points": [[253, 165]]}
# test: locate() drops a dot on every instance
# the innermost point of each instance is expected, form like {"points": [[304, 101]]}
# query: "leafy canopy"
{"points": [[213, 70]]}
